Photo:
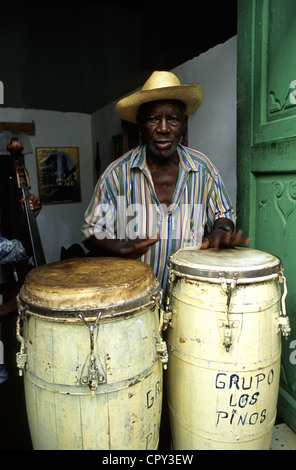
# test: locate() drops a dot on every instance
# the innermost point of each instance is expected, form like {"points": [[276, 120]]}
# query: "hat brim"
{"points": [[190, 95]]}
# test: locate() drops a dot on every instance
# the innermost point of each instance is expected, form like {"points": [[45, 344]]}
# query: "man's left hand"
{"points": [[221, 239]]}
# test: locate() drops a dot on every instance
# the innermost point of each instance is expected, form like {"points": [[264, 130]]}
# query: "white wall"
{"points": [[212, 130], [105, 124], [59, 224]]}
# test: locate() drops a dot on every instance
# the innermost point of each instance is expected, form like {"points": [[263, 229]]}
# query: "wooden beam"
{"points": [[18, 127]]}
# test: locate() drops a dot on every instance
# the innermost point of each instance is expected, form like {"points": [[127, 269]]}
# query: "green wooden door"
{"points": [[266, 157]]}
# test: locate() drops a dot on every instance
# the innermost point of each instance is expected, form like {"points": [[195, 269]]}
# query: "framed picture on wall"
{"points": [[58, 175], [119, 145]]}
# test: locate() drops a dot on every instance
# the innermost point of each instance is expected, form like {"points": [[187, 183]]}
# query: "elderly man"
{"points": [[160, 196]]}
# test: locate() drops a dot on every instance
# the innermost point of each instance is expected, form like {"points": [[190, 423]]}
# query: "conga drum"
{"points": [[224, 347], [92, 354]]}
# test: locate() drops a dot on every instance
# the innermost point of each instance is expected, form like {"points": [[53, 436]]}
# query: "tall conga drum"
{"points": [[224, 346], [92, 354]]}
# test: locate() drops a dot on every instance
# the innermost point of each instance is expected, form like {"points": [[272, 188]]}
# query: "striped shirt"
{"points": [[125, 205]]}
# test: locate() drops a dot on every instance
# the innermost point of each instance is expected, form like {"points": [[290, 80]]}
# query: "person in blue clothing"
{"points": [[12, 252]]}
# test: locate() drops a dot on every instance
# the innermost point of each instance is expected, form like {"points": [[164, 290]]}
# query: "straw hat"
{"points": [[160, 86]]}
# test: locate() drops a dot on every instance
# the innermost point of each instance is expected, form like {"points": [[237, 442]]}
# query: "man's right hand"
{"points": [[131, 249]]}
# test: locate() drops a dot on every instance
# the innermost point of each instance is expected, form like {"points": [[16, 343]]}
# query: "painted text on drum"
{"points": [[237, 403], [152, 397], [153, 394], [240, 382]]}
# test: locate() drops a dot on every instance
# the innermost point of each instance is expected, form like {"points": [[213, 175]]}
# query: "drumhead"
{"points": [[89, 283], [245, 264]]}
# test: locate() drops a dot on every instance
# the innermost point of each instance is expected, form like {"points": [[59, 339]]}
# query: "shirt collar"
{"points": [[185, 159], [138, 158]]}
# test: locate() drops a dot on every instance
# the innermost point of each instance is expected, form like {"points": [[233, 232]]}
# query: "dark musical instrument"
{"points": [[15, 148]]}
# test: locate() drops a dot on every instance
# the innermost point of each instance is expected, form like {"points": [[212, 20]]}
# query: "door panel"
{"points": [[275, 85], [266, 153], [275, 229]]}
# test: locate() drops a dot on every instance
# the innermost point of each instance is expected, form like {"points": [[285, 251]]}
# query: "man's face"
{"points": [[162, 124]]}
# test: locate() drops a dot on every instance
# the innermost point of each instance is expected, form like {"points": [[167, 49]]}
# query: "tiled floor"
{"points": [[283, 438]]}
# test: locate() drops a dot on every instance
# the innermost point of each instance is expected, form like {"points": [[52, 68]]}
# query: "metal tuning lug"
{"points": [[92, 372], [228, 287], [162, 351], [283, 319], [21, 356], [284, 326], [161, 346]]}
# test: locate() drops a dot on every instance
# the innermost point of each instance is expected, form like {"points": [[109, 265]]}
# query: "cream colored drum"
{"points": [[224, 347], [92, 354]]}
